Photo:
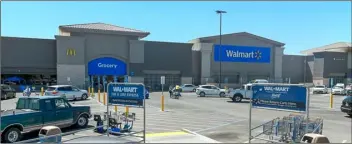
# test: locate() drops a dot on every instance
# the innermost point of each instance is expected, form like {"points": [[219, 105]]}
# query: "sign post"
{"points": [[128, 95]]}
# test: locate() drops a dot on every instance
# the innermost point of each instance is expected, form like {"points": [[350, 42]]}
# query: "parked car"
{"points": [[7, 91], [346, 105], [340, 85], [210, 90], [348, 87], [69, 91], [314, 138], [245, 92], [259, 81], [320, 89], [188, 88], [33, 113], [338, 90]]}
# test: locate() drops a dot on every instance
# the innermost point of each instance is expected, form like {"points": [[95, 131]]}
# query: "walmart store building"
{"points": [[84, 53]]}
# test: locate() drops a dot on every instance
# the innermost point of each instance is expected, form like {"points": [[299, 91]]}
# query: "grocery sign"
{"points": [[230, 53], [283, 97]]}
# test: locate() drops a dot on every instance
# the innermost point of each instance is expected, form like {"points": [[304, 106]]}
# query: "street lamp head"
{"points": [[220, 11]]}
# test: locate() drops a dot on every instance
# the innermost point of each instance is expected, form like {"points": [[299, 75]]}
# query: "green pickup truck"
{"points": [[33, 113]]}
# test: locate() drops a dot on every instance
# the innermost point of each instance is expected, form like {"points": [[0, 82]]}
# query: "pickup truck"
{"points": [[33, 113], [245, 92]]}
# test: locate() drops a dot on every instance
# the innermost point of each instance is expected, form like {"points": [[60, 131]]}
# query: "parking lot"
{"points": [[214, 117]]}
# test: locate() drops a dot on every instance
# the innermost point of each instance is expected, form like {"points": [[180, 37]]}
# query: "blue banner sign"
{"points": [[284, 97], [250, 54], [107, 66], [126, 94]]}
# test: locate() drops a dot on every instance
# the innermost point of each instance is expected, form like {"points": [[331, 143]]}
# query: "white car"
{"points": [[259, 81], [320, 89], [70, 92], [210, 90], [188, 88], [338, 90], [245, 92]]}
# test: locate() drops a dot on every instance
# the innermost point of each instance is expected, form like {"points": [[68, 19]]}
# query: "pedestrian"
{"points": [[27, 91]]}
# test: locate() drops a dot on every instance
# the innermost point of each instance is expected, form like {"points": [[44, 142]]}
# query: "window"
{"points": [[28, 103], [50, 88], [213, 87], [249, 87], [75, 89], [60, 104], [207, 87], [320, 86], [48, 105], [61, 89]]}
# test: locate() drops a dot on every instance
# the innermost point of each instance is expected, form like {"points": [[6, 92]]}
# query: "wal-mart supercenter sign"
{"points": [[230, 53]]}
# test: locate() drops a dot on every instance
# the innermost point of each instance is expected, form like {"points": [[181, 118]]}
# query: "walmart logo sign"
{"points": [[229, 53]]}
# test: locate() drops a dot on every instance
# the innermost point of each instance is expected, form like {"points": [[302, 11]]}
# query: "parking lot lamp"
{"points": [[220, 12]]}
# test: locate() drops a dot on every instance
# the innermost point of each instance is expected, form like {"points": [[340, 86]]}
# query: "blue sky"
{"points": [[300, 25]]}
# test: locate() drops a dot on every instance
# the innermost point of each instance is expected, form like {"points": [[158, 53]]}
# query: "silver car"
{"points": [[337, 90], [188, 88], [69, 91]]}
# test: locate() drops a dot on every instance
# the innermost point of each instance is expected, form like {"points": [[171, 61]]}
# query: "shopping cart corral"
{"points": [[288, 129]]}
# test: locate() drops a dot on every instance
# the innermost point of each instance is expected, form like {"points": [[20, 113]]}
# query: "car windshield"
{"points": [[337, 87], [28, 103]]}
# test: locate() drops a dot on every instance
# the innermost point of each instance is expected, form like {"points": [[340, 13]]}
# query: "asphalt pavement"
{"points": [[214, 117]]}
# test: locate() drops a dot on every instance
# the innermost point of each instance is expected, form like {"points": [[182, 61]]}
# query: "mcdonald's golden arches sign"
{"points": [[70, 52]]}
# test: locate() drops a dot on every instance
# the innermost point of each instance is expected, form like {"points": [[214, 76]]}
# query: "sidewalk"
{"points": [[182, 136]]}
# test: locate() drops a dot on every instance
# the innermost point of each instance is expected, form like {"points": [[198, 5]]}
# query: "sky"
{"points": [[300, 25]]}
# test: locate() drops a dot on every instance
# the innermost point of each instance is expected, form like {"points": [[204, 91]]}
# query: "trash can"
{"points": [[50, 134]]}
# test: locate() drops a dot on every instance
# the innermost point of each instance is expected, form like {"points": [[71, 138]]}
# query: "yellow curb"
{"points": [[164, 134]]}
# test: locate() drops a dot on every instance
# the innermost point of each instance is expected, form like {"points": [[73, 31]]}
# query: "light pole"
{"points": [[220, 12]]}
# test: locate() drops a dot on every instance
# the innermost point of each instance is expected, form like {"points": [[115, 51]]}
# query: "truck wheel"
{"points": [[84, 96], [82, 121], [222, 94], [237, 98], [202, 94], [12, 135]]}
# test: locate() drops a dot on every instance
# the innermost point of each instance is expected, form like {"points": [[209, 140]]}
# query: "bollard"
{"points": [[104, 98], [162, 103], [42, 91], [331, 100], [99, 95], [92, 91], [89, 91], [127, 111], [115, 108]]}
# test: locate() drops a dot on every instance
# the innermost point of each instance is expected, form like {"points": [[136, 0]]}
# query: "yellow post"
{"points": [[115, 108], [127, 111], [104, 98], [162, 103], [331, 100], [99, 95], [42, 91], [93, 91], [89, 91]]}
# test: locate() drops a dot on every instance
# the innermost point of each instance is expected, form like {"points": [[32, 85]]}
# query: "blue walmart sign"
{"points": [[230, 53]]}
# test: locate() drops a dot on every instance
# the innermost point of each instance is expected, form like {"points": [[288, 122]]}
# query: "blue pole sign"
{"points": [[127, 94], [126, 79], [283, 97], [115, 78], [331, 82]]}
